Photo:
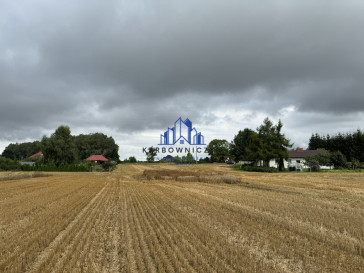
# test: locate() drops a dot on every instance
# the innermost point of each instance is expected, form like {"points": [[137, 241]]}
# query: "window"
{"points": [[298, 161], [181, 141]]}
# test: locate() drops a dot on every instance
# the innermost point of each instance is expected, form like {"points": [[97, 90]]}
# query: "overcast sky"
{"points": [[129, 69]]}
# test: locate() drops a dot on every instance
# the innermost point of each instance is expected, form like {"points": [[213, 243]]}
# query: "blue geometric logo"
{"points": [[182, 133]]}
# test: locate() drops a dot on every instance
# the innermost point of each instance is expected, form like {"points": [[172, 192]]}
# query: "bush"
{"points": [[348, 165], [53, 168], [355, 163], [108, 166], [176, 159], [259, 169], [132, 159], [322, 159], [313, 164], [338, 160], [9, 164]]}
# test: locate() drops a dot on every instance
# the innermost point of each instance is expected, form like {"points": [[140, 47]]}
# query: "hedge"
{"points": [[259, 169]]}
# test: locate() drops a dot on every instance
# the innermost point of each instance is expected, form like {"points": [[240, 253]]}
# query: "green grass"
{"points": [[342, 171], [236, 167]]}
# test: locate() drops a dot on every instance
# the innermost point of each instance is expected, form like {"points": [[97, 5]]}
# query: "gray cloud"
{"points": [[137, 66]]}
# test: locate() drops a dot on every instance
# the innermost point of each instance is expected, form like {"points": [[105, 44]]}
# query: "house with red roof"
{"points": [[37, 155], [99, 159]]}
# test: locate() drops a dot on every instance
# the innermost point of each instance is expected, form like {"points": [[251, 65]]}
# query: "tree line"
{"points": [[351, 145], [20, 151], [268, 142], [63, 148]]}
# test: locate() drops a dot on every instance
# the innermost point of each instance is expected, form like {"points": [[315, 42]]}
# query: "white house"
{"points": [[296, 158]]}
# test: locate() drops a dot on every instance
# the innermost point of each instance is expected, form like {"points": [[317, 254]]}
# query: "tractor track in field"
{"points": [[46, 253]]}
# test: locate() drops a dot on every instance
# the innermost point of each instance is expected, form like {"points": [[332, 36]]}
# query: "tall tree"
{"points": [[60, 147], [245, 146], [280, 145], [218, 149], [254, 150], [316, 142], [189, 158], [21, 151], [151, 154], [266, 133], [338, 159], [351, 145], [358, 145], [266, 144], [97, 143]]}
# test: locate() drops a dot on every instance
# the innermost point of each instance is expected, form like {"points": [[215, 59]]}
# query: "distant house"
{"points": [[299, 155], [37, 155], [27, 163], [296, 158], [99, 159]]}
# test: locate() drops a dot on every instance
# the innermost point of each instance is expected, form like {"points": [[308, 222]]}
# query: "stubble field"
{"points": [[164, 218]]}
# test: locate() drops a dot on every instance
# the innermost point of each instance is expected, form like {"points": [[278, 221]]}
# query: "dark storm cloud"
{"points": [[134, 65], [211, 48]]}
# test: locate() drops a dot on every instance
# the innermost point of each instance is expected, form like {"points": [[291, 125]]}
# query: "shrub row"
{"points": [[259, 169], [8, 164], [54, 168]]}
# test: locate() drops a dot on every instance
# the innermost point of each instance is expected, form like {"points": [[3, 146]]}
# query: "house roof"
{"points": [[304, 153], [40, 154], [97, 158]]}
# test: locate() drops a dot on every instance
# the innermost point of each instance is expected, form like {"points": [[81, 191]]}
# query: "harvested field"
{"points": [[21, 175], [165, 218]]}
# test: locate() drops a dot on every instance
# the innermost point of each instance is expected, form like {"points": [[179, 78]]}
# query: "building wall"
{"points": [[287, 163]]}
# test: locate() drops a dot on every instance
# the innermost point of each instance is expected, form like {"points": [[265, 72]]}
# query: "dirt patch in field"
{"points": [[188, 176], [21, 175]]}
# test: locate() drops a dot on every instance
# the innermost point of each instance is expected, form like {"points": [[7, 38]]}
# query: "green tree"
{"points": [[358, 145], [218, 149], [151, 153], [189, 157], [351, 145], [108, 166], [7, 164], [280, 145], [323, 158], [338, 159], [273, 143], [266, 133], [313, 164], [132, 159], [253, 152], [97, 143], [316, 142], [60, 147], [177, 159], [20, 151], [243, 146], [355, 163]]}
